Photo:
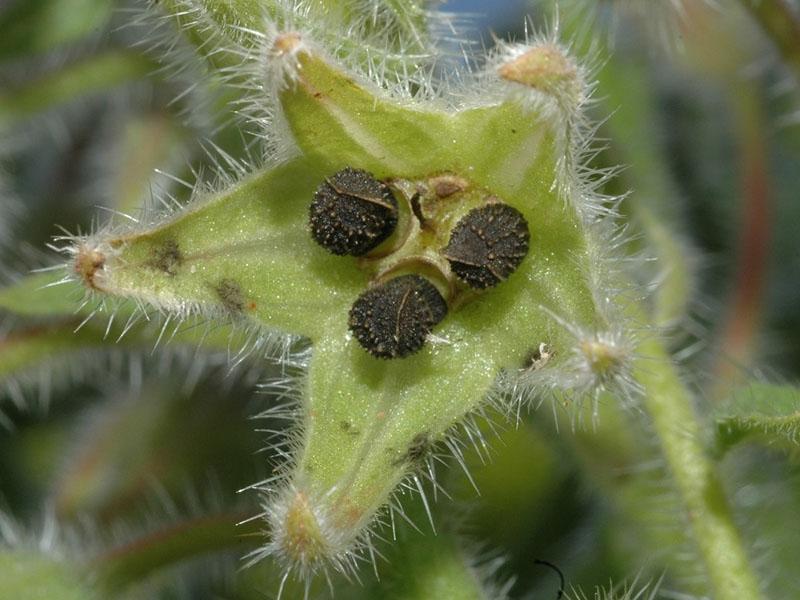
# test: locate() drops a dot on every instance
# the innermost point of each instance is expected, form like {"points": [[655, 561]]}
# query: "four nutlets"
{"points": [[353, 213]]}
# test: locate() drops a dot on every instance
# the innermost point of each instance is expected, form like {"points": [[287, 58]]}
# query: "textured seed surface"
{"points": [[393, 319], [352, 213], [488, 244]]}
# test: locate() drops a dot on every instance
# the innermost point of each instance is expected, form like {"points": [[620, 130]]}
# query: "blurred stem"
{"points": [[628, 89], [626, 85], [705, 33], [92, 74], [131, 562], [741, 326], [707, 509], [782, 23]]}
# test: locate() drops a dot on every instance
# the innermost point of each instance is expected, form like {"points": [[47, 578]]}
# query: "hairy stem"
{"points": [[710, 518]]}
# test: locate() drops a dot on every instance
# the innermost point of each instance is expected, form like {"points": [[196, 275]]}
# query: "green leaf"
{"points": [[768, 414], [26, 347], [766, 499], [149, 142]]}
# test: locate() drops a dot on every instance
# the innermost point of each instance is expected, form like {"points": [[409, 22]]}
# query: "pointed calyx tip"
{"points": [[543, 67], [602, 357], [303, 541], [286, 43], [88, 262]]}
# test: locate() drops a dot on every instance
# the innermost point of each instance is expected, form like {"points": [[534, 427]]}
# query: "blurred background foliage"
{"points": [[128, 460]]}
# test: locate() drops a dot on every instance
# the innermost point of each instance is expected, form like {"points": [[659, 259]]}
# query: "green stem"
{"points": [[710, 518], [629, 95]]}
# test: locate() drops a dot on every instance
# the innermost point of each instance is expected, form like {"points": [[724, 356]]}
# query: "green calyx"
{"points": [[246, 252]]}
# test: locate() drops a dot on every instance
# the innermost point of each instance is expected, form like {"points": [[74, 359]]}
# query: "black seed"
{"points": [[352, 213], [488, 244], [393, 319]]}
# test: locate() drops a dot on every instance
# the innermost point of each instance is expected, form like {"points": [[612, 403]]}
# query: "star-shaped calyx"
{"points": [[484, 242]]}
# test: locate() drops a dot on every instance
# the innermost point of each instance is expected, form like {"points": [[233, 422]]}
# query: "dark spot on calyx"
{"points": [[393, 319], [352, 213], [167, 257], [230, 294], [347, 427], [417, 450], [488, 244]]}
